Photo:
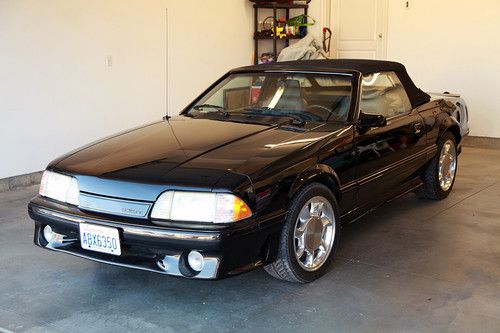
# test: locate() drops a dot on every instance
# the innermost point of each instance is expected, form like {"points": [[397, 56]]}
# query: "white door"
{"points": [[359, 29]]}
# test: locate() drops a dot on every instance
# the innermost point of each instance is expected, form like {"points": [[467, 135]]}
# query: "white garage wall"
{"points": [[206, 39], [451, 45], [57, 92]]}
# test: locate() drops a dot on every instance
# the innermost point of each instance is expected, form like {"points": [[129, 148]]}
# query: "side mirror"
{"points": [[371, 120]]}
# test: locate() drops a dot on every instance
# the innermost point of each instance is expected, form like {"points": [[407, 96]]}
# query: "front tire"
{"points": [[439, 176], [309, 237]]}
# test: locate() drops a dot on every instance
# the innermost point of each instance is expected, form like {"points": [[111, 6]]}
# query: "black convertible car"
{"points": [[261, 170]]}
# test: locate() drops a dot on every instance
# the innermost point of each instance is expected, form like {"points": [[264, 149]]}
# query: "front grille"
{"points": [[114, 206]]}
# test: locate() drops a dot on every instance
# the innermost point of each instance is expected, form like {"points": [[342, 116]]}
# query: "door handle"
{"points": [[418, 128]]}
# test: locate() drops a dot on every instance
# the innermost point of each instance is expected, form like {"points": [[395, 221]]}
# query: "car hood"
{"points": [[187, 152]]}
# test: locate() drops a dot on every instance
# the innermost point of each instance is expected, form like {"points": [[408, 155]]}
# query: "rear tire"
{"points": [[309, 237], [439, 176]]}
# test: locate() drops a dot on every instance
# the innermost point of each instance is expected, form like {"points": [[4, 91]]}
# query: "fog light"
{"points": [[48, 234], [53, 238], [196, 261]]}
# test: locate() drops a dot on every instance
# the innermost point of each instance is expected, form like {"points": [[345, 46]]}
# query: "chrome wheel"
{"points": [[447, 165], [314, 233]]}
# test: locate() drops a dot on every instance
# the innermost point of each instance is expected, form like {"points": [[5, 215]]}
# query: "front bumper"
{"points": [[227, 252]]}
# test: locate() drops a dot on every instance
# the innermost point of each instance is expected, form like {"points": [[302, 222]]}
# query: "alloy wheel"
{"points": [[447, 165], [314, 233]]}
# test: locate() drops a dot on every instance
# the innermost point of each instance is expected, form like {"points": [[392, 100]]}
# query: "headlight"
{"points": [[60, 187], [200, 207]]}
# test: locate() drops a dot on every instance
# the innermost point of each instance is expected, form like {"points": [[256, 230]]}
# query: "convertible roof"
{"points": [[417, 97]]}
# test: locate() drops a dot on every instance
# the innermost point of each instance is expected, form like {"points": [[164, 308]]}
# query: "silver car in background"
{"points": [[461, 113]]}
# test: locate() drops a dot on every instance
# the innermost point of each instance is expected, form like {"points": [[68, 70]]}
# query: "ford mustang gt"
{"points": [[261, 170]]}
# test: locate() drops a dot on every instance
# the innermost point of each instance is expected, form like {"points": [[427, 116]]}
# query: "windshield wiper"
{"points": [[265, 111], [219, 109]]}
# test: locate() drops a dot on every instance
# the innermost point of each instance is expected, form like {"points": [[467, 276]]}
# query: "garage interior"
{"points": [[75, 71]]}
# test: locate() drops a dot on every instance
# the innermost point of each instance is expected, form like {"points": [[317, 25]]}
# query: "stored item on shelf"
{"points": [[280, 32], [266, 58], [280, 28], [266, 28], [301, 22], [290, 30], [307, 48], [266, 24]]}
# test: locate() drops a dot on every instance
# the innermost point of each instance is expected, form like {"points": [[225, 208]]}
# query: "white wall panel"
{"points": [[451, 45]]}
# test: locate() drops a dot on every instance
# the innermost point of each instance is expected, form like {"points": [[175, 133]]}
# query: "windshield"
{"points": [[303, 97]]}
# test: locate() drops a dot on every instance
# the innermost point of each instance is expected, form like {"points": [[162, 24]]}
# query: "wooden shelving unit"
{"points": [[284, 38], [275, 7]]}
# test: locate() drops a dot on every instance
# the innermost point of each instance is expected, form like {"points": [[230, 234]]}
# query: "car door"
{"points": [[387, 157]]}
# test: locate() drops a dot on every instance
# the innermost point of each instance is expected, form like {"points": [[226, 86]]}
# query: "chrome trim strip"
{"points": [[377, 174], [172, 234], [348, 186], [432, 150], [59, 215], [136, 230]]}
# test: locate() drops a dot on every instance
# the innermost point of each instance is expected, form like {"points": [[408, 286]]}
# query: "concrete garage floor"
{"points": [[410, 266]]}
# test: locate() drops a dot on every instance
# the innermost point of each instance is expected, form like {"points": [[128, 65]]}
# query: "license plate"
{"points": [[101, 239]]}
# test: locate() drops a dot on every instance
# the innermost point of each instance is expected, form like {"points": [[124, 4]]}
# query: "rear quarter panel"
{"points": [[437, 117]]}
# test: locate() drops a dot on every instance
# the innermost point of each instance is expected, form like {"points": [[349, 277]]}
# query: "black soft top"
{"points": [[417, 97]]}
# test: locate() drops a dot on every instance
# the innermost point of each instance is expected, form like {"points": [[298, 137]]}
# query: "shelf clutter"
{"points": [[277, 28]]}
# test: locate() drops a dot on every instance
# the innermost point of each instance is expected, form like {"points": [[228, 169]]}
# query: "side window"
{"points": [[383, 94]]}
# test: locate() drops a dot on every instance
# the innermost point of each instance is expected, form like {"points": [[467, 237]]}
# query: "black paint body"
{"points": [[264, 165]]}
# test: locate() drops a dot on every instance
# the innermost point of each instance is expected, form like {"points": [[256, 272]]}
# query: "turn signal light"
{"points": [[241, 210]]}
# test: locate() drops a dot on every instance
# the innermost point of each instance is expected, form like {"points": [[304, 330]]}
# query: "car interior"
{"points": [[384, 96], [329, 101]]}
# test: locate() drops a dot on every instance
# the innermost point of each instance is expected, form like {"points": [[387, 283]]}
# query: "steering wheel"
{"points": [[319, 106], [332, 114]]}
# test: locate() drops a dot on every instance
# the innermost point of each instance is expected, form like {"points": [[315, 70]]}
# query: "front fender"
{"points": [[320, 173]]}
